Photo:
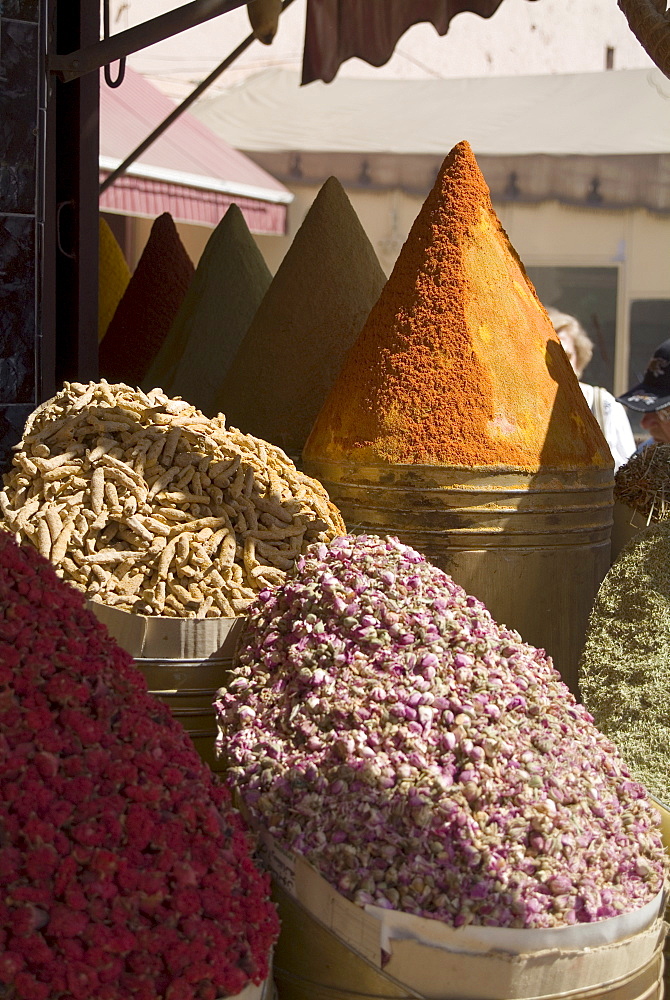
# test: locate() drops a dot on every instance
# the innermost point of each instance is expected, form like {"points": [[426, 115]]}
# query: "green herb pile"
{"points": [[625, 666]]}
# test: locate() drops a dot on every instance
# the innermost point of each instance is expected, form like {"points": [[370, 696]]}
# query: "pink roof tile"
{"points": [[188, 171]]}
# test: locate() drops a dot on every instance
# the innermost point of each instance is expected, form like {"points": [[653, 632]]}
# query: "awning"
{"points": [[337, 30], [189, 171]]}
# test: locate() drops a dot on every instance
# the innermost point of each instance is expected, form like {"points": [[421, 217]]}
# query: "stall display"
{"points": [[125, 873], [458, 363], [227, 288], [148, 307], [382, 726], [311, 314], [457, 423], [624, 671], [143, 503]]}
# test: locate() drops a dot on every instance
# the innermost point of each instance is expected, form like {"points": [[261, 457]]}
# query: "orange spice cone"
{"points": [[458, 363], [150, 303], [310, 315]]}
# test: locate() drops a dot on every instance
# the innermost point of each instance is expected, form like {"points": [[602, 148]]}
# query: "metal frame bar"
{"points": [[92, 57], [179, 110]]}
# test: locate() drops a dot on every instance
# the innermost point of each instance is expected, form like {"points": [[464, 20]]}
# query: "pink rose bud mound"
{"points": [[124, 872], [424, 758]]}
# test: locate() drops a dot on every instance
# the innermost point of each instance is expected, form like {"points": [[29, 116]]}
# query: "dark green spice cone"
{"points": [[228, 286], [311, 314]]}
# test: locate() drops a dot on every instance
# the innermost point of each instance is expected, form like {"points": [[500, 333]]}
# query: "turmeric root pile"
{"points": [[144, 503]]}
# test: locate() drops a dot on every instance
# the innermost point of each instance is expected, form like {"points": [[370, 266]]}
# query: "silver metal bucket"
{"points": [[533, 547], [188, 688]]}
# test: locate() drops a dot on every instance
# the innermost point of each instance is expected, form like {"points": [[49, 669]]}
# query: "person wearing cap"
{"points": [[611, 416], [651, 396]]}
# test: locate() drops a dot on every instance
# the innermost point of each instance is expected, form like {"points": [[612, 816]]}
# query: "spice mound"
{"points": [[425, 759], [643, 483], [624, 673], [125, 872], [148, 306], [458, 364], [143, 503]]}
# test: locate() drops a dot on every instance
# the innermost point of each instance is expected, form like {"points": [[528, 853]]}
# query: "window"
{"points": [[589, 294]]}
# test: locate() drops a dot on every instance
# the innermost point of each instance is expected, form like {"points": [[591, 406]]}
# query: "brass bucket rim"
{"points": [[477, 478]]}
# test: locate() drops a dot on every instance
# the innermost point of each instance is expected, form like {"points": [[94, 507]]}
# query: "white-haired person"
{"points": [[609, 413]]}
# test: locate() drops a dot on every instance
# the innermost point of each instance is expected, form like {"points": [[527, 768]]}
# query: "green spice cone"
{"points": [[311, 314], [624, 673], [228, 286]]}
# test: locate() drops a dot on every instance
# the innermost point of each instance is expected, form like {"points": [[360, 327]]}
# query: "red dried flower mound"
{"points": [[124, 870]]}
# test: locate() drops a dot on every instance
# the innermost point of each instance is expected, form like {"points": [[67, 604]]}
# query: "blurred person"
{"points": [[651, 397], [610, 414]]}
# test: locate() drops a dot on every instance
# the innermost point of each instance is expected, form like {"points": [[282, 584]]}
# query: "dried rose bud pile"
{"points": [[424, 758], [124, 872]]}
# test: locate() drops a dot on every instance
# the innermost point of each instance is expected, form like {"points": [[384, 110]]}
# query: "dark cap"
{"points": [[653, 392]]}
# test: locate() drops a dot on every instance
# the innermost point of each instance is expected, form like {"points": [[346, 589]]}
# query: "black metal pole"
{"points": [[179, 110], [71, 178], [94, 56]]}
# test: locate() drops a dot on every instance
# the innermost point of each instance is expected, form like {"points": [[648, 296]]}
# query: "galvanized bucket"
{"points": [[188, 688], [534, 547], [184, 662]]}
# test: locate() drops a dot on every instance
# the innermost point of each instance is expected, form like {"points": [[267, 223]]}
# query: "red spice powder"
{"points": [[149, 305], [458, 363]]}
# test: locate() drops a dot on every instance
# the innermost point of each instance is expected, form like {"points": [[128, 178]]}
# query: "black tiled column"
{"points": [[19, 139], [48, 209]]}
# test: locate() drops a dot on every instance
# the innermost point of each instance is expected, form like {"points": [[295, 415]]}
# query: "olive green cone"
{"points": [[312, 312], [624, 673], [228, 286]]}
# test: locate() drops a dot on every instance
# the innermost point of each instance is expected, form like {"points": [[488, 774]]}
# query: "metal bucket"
{"points": [[534, 547], [188, 688]]}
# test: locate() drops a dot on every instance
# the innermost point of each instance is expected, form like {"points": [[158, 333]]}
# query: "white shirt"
{"points": [[613, 421]]}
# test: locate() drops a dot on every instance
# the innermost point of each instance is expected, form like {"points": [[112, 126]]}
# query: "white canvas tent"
{"points": [[593, 114]]}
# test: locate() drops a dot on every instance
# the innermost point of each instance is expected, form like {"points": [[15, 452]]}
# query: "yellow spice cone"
{"points": [[114, 275], [458, 363]]}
